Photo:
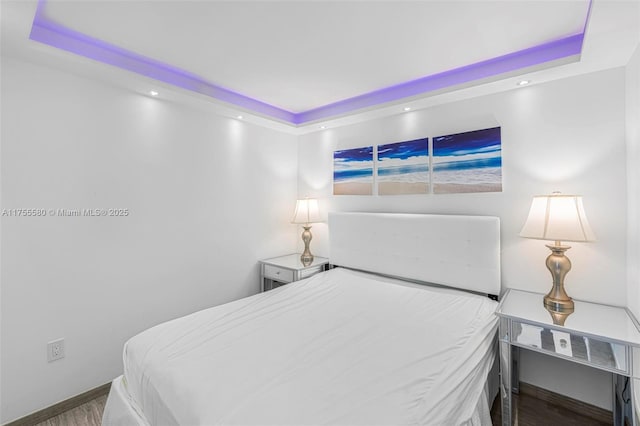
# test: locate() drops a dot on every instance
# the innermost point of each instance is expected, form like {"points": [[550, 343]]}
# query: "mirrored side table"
{"points": [[282, 270], [599, 336]]}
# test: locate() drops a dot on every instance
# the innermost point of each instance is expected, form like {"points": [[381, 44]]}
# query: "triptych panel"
{"points": [[457, 163]]}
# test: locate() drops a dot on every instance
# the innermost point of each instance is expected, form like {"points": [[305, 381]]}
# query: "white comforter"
{"points": [[342, 347]]}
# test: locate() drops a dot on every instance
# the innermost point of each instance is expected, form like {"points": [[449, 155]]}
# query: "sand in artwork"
{"points": [[460, 188], [352, 188], [399, 188]]}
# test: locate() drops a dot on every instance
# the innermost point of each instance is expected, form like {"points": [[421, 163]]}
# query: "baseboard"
{"points": [[573, 405], [62, 406]]}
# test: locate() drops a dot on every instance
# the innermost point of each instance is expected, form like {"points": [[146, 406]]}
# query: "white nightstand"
{"points": [[282, 270], [599, 336]]}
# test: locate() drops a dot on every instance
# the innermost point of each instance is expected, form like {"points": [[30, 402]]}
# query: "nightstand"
{"points": [[282, 270], [599, 336]]}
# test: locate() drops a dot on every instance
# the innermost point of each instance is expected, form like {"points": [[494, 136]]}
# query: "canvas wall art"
{"points": [[353, 171], [403, 167], [467, 162]]}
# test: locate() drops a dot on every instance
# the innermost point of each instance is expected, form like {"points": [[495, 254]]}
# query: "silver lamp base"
{"points": [[306, 258], [559, 317], [559, 265]]}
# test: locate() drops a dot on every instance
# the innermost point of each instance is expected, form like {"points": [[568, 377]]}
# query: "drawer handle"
{"points": [[277, 272]]}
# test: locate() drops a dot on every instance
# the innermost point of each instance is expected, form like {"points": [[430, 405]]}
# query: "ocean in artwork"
{"points": [[353, 171], [403, 167], [468, 162]]}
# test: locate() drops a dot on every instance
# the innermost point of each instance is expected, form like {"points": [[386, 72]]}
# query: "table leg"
{"points": [[624, 412], [632, 391], [505, 381], [515, 369]]}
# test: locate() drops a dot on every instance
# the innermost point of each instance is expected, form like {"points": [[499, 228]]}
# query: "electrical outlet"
{"points": [[55, 350]]}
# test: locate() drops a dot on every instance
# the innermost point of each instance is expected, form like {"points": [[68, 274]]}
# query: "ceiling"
{"points": [[304, 62]]}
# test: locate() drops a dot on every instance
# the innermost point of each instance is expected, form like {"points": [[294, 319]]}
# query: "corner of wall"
{"points": [[632, 137]]}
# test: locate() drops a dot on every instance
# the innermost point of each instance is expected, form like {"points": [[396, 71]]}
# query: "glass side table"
{"points": [[599, 336], [282, 270]]}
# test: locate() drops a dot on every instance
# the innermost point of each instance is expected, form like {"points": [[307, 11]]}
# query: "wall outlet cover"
{"points": [[55, 350]]}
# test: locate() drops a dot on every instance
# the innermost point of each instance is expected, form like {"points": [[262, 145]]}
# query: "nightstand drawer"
{"points": [[278, 274], [306, 273], [566, 344]]}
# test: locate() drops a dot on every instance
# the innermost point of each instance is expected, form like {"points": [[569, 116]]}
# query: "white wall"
{"points": [[632, 91], [208, 196], [566, 135]]}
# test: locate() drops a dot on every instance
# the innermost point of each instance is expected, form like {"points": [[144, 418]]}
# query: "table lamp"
{"points": [[558, 217], [306, 213]]}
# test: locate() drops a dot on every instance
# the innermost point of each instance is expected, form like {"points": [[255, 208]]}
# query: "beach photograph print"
{"points": [[403, 167], [353, 171], [467, 162]]}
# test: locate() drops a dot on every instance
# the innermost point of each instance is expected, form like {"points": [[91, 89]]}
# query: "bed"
{"points": [[366, 343]]}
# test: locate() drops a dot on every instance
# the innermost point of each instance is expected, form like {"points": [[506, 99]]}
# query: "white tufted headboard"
{"points": [[456, 251]]}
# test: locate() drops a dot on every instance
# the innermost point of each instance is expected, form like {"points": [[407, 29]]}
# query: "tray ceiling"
{"points": [[302, 62]]}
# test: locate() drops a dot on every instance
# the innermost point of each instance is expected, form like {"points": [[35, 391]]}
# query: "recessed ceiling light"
{"points": [[323, 127], [407, 108], [153, 93], [523, 82], [240, 117]]}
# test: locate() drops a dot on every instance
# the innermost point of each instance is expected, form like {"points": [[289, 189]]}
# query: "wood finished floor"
{"points": [[530, 411], [89, 414]]}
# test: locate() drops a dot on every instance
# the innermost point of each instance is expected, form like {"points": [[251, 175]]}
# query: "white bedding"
{"points": [[342, 347]]}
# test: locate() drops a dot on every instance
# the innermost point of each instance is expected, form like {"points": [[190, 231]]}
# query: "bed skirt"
{"points": [[120, 410]]}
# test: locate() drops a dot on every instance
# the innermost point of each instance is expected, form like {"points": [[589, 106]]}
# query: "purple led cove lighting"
{"points": [[56, 35], [49, 32], [503, 64]]}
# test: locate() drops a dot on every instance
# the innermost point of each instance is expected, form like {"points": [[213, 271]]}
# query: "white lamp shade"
{"points": [[306, 211], [557, 217]]}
